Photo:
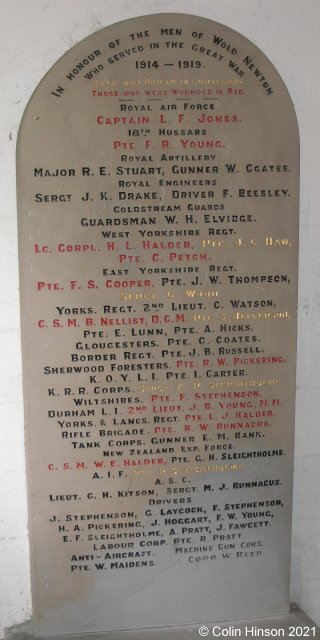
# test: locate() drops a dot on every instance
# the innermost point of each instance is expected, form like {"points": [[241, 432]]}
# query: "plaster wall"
{"points": [[33, 35]]}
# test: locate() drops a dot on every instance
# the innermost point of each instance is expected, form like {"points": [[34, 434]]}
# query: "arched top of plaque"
{"points": [[154, 57]]}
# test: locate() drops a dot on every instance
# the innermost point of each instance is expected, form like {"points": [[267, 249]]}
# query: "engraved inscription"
{"points": [[158, 253]]}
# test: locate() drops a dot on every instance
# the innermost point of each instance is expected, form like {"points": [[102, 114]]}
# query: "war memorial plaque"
{"points": [[158, 224]]}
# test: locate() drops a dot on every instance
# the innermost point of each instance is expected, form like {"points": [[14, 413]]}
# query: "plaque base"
{"points": [[296, 625]]}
